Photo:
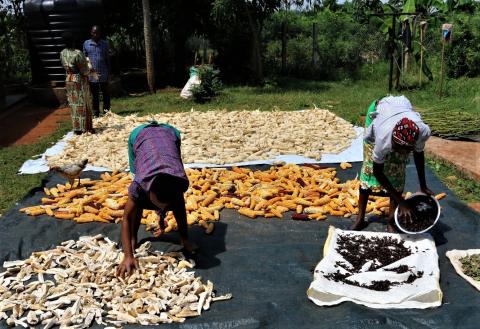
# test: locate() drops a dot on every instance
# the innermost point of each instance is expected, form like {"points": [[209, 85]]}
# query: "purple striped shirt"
{"points": [[157, 151]]}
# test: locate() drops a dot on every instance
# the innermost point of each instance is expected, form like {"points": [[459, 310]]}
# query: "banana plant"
{"points": [[427, 10]]}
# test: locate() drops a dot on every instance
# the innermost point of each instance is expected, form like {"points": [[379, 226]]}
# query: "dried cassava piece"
{"points": [[75, 285], [310, 191], [218, 137]]}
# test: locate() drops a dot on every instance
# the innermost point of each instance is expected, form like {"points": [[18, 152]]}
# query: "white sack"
{"points": [[422, 293], [455, 255], [187, 90]]}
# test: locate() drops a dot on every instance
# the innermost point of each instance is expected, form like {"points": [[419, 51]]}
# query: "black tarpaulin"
{"points": [[267, 264]]}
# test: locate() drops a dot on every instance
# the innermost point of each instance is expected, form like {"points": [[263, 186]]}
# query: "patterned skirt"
{"points": [[394, 165], [80, 103]]}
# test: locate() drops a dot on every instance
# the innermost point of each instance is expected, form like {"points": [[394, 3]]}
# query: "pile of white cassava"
{"points": [[219, 137], [75, 284]]}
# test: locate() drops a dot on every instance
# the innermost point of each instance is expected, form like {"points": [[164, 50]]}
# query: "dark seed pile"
{"points": [[424, 211], [399, 269], [359, 250], [382, 285]]}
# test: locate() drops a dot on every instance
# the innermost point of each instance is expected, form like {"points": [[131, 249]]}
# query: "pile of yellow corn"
{"points": [[311, 192]]}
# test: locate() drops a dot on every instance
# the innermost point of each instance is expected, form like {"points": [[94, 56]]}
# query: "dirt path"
{"points": [[27, 123], [463, 155]]}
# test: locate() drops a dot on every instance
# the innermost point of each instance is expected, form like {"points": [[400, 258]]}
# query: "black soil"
{"points": [[359, 250], [425, 212]]}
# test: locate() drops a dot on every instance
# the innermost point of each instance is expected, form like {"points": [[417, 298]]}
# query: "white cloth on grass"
{"points": [[424, 292], [35, 166]]}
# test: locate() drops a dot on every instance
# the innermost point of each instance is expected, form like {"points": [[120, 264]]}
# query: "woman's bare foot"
{"points": [[359, 225], [392, 228], [160, 228], [157, 232], [189, 246]]}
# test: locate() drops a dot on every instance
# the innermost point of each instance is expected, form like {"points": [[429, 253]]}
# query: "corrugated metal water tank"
{"points": [[47, 20]]}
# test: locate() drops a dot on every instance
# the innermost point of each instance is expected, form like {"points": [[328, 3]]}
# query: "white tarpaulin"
{"points": [[455, 255], [354, 153], [35, 166], [423, 292]]}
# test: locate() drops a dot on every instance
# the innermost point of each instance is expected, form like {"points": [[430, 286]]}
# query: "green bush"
{"points": [[14, 57], [342, 43], [210, 85], [463, 55]]}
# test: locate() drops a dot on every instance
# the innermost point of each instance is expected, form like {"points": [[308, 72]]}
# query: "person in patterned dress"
{"points": [[393, 131], [76, 84], [159, 184]]}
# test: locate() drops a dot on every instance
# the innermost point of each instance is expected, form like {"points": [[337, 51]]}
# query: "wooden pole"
{"points": [[392, 45], [314, 45], [421, 57], [204, 57], [405, 53], [442, 69]]}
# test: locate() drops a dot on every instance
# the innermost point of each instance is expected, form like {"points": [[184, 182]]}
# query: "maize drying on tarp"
{"points": [[75, 285], [217, 137], [309, 192]]}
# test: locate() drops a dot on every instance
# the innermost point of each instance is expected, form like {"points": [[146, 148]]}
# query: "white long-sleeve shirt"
{"points": [[389, 111]]}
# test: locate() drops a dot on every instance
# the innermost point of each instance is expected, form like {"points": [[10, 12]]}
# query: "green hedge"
{"points": [[463, 55], [342, 44]]}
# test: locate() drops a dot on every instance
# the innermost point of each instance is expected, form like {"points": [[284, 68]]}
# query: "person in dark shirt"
{"points": [[97, 51]]}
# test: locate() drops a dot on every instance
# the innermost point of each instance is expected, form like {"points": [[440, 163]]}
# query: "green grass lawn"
{"points": [[12, 186], [348, 99]]}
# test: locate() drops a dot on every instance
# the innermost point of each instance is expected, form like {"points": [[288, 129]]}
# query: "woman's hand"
{"points": [[127, 267], [404, 211], [426, 190]]}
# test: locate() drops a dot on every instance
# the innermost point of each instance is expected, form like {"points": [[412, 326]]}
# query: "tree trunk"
{"points": [[284, 47], [147, 31], [3, 100], [256, 54], [314, 46]]}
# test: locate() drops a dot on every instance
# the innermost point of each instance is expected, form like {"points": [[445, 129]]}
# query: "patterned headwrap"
{"points": [[405, 132]]}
